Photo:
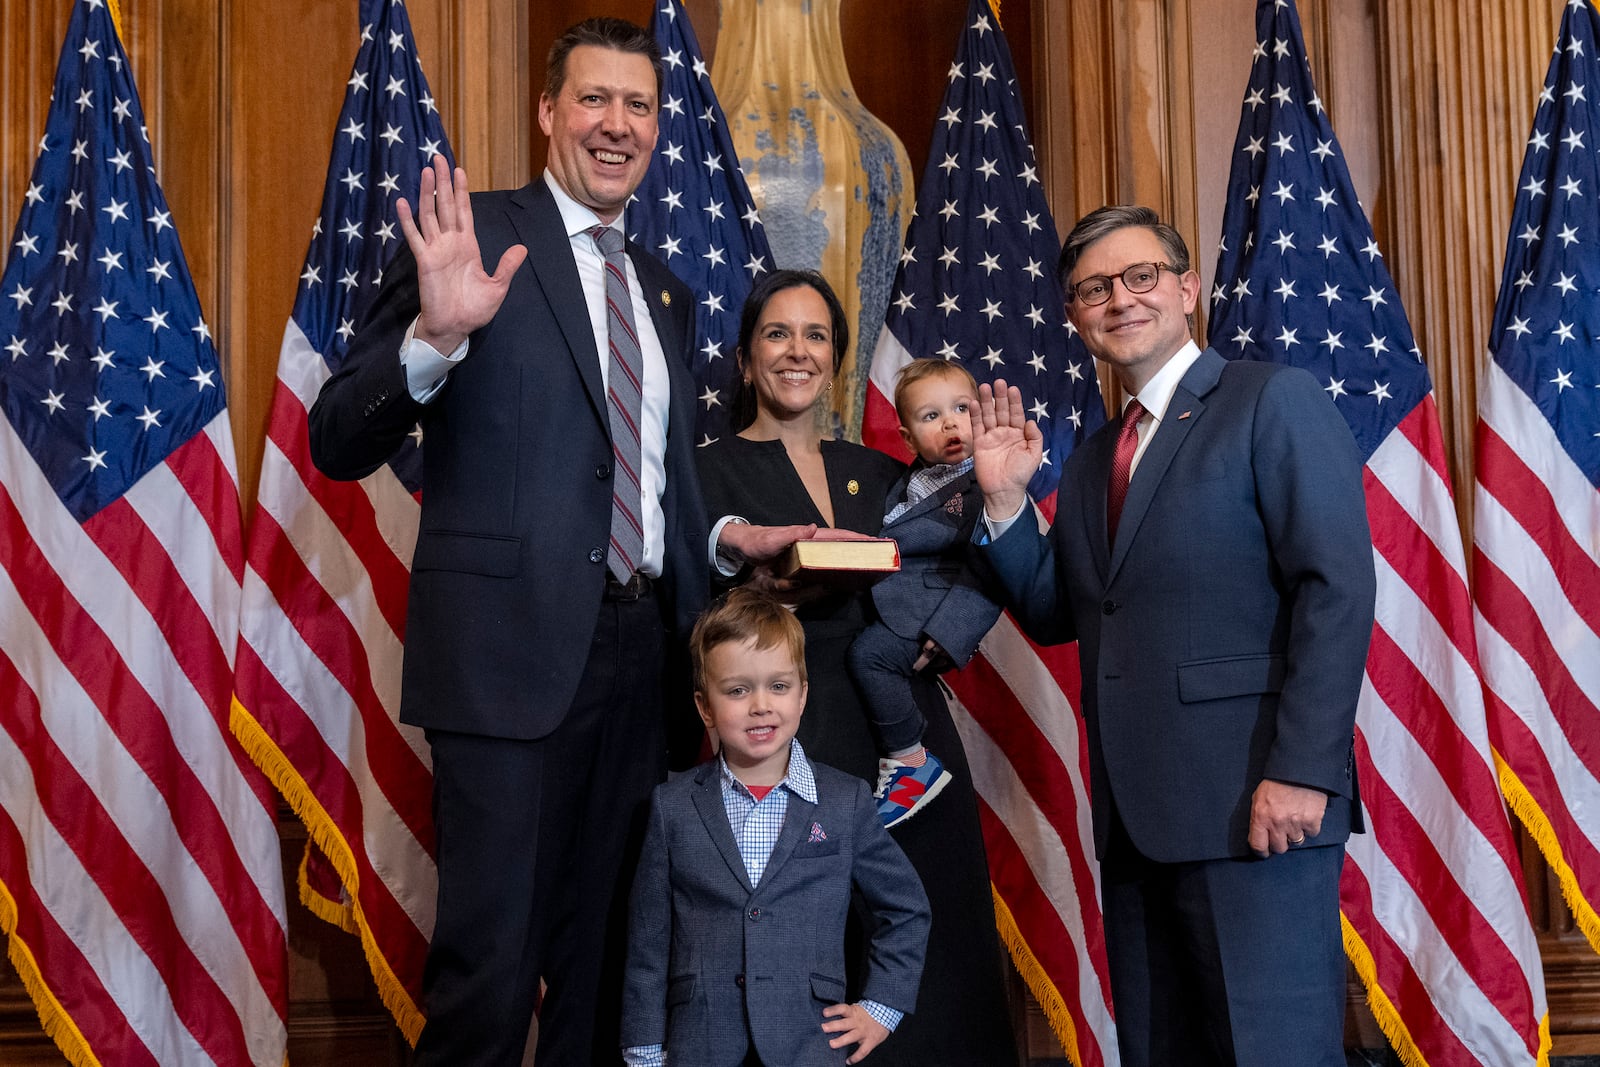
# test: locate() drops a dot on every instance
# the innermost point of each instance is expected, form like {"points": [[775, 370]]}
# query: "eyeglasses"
{"points": [[1139, 278]]}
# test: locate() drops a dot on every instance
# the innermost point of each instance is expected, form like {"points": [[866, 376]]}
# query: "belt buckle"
{"points": [[632, 589]]}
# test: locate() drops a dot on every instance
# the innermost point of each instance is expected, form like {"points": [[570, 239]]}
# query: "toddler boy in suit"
{"points": [[736, 934], [933, 611]]}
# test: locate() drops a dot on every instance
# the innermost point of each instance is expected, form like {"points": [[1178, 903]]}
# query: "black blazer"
{"points": [[510, 559]]}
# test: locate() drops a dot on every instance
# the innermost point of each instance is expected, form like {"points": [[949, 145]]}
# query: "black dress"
{"points": [[962, 1017]]}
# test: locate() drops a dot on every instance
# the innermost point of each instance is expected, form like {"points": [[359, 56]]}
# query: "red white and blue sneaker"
{"points": [[904, 790]]}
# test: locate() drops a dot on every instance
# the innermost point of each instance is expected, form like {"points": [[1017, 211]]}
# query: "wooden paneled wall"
{"points": [[1131, 100]]}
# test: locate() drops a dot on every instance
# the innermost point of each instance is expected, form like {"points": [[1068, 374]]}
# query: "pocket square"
{"points": [[816, 834], [954, 505]]}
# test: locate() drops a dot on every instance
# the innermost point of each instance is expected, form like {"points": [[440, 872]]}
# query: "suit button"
{"points": [[1109, 607], [596, 556], [738, 980], [755, 914], [603, 471]]}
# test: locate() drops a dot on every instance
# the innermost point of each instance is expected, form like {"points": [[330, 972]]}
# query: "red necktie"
{"points": [[1122, 467], [624, 392]]}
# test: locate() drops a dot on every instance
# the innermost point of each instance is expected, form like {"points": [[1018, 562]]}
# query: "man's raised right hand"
{"points": [[1007, 449], [457, 295]]}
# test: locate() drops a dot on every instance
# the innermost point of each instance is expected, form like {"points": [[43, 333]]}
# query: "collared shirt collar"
{"points": [[576, 218], [1157, 392], [799, 780]]}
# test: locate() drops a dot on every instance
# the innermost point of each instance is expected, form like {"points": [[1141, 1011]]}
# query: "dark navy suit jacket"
{"points": [[1223, 638], [936, 592], [706, 951], [510, 561]]}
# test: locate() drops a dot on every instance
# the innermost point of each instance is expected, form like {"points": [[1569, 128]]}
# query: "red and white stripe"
{"points": [[140, 880], [318, 687], [1536, 579], [1436, 920], [1015, 707]]}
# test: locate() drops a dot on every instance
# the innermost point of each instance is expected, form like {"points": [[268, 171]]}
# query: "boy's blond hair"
{"points": [[922, 369], [746, 614]]}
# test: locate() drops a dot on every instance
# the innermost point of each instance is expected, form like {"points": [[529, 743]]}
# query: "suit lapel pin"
{"points": [[852, 487], [666, 299], [1185, 415]]}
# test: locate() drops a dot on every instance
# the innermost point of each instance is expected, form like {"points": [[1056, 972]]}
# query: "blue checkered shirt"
{"points": [[756, 824], [924, 482]]}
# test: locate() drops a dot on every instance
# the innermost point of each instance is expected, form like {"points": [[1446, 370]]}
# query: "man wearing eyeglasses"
{"points": [[1211, 557]]}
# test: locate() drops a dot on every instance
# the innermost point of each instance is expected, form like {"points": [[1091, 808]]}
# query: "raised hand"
{"points": [[457, 295], [1007, 449]]}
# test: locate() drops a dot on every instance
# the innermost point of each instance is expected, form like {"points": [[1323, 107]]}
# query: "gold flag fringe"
{"points": [[325, 832], [1527, 810], [1039, 983], [58, 1025]]}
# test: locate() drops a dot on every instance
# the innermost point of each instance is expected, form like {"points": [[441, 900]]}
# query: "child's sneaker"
{"points": [[904, 790]]}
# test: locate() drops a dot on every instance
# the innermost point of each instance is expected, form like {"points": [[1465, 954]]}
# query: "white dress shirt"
{"points": [[1155, 396], [426, 368]]}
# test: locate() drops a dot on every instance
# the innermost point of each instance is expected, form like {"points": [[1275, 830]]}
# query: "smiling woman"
{"points": [[777, 471]]}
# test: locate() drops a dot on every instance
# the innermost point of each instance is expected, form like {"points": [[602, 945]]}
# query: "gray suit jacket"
{"points": [[1223, 638], [705, 950], [936, 592]]}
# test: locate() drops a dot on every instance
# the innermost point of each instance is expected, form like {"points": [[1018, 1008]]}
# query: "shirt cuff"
{"points": [[645, 1056], [998, 527], [887, 1017], [426, 367], [725, 561]]}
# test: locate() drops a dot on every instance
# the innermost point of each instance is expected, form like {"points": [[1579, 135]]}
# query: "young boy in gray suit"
{"points": [[933, 611], [736, 932]]}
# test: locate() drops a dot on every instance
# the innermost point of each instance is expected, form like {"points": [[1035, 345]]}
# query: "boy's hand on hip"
{"points": [[854, 1027]]}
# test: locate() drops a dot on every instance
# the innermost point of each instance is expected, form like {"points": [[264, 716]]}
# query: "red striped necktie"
{"points": [[624, 401]]}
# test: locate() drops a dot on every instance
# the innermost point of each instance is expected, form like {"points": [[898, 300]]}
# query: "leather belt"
{"points": [[633, 589]]}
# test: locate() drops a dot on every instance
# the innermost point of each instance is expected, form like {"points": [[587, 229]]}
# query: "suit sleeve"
{"points": [[644, 988], [364, 412], [1020, 569], [962, 617], [895, 899], [1309, 484]]}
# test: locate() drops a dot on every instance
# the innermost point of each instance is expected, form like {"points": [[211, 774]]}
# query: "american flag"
{"points": [[140, 883], [1536, 560], [694, 212], [1434, 915], [977, 284], [329, 562]]}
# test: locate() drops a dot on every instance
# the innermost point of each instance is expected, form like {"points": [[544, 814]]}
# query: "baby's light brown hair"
{"points": [[921, 370]]}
